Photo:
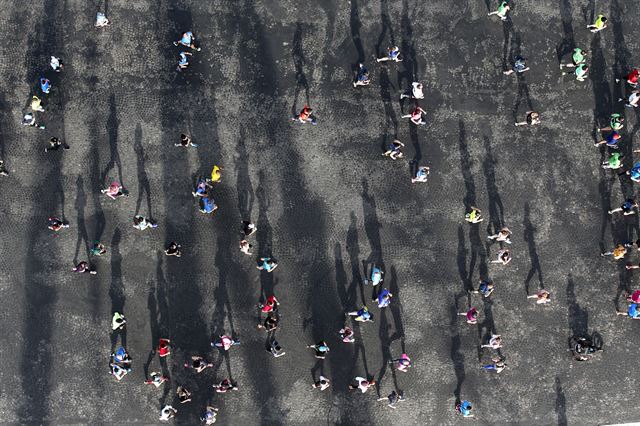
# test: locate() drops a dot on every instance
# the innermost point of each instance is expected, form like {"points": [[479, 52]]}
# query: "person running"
{"points": [[266, 264], [464, 408], [362, 384], [362, 76], [632, 312], [275, 349], [198, 363], [173, 249], [216, 174], [633, 297], [305, 116], [495, 342], [532, 118], [618, 253], [485, 288], [322, 383], [383, 298], [118, 321], [611, 140], [56, 224], [270, 323], [377, 276], [245, 247], [577, 58], [84, 268], [164, 347], [225, 385], [225, 342], [416, 92], [207, 205], [627, 208], [270, 305], [503, 235], [632, 77], [471, 315], [3, 169], [54, 144], [403, 363], [362, 315], [167, 413], [614, 161], [156, 379], [580, 72], [615, 123], [248, 228], [321, 348], [183, 394], [633, 99], [502, 11], [394, 150], [519, 66], [30, 120], [117, 370], [422, 174], [346, 334], [634, 173], [393, 54], [185, 141], [474, 216], [599, 25], [101, 20], [542, 297], [393, 399], [416, 116], [183, 61], [56, 64], [114, 190], [202, 187], [36, 104], [503, 257], [45, 85], [498, 365], [142, 223], [187, 39], [210, 415]]}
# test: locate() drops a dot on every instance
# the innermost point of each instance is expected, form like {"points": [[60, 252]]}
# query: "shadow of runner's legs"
{"points": [[143, 180]]}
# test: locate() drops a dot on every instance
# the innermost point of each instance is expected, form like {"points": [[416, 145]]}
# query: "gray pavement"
{"points": [[327, 205]]}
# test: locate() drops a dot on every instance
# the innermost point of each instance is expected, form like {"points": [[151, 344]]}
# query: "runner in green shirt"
{"points": [[614, 124], [578, 57], [502, 11], [614, 162], [599, 25]]}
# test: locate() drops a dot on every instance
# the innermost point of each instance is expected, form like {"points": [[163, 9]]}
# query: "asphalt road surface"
{"points": [[327, 204]]}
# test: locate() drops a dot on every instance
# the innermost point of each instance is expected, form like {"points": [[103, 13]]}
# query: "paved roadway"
{"points": [[327, 205]]}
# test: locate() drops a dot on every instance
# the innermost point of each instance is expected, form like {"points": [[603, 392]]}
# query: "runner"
{"points": [[210, 415], [485, 288], [207, 205], [248, 228], [495, 342], [101, 20], [465, 408], [542, 297], [362, 384], [618, 252], [471, 315], [580, 72], [30, 120], [118, 321], [346, 334], [422, 174], [503, 235], [633, 312], [156, 379], [383, 298], [362, 315], [502, 11], [183, 61], [615, 123], [577, 58], [198, 363], [45, 85], [614, 161], [167, 413], [474, 216], [362, 76], [266, 264], [503, 257], [321, 348], [403, 363], [498, 365], [416, 92], [225, 385], [56, 224], [225, 342], [3, 169], [173, 249], [114, 190], [164, 347], [599, 25], [519, 66], [54, 144], [394, 150], [56, 64], [322, 383], [611, 140], [141, 223], [84, 268], [532, 118], [393, 54], [305, 116], [393, 399], [416, 116], [183, 394], [627, 208], [376, 278], [185, 142], [187, 39], [245, 247], [275, 349]]}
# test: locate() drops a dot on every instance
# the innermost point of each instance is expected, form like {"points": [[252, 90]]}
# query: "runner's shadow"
{"points": [[112, 130], [496, 208], [264, 235], [567, 44], [407, 47], [457, 357], [529, 238], [243, 179], [297, 52], [143, 179], [578, 317], [561, 404], [81, 202], [386, 27], [355, 25]]}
